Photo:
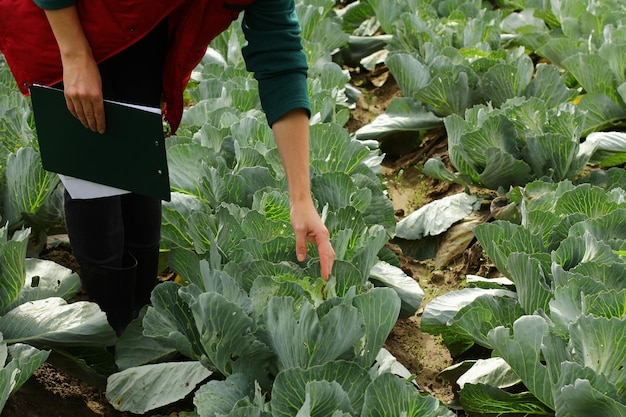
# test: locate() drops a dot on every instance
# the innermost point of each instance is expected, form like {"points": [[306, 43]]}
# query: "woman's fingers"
{"points": [[88, 109], [327, 256]]}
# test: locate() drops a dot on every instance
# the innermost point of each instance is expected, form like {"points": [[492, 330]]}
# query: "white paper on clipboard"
{"points": [[81, 189]]}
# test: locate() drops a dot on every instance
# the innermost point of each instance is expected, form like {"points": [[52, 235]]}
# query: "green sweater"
{"points": [[273, 52]]}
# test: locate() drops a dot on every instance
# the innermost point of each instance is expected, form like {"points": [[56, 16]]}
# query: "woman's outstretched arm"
{"points": [[292, 137]]}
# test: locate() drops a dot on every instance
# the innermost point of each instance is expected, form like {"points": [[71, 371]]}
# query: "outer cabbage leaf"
{"points": [[608, 179], [274, 206], [488, 400], [610, 150], [338, 190], [15, 114], [609, 228], [52, 321], [48, 279], [435, 168], [185, 164], [168, 319], [576, 250], [242, 186], [366, 249], [132, 348], [209, 111], [475, 320], [380, 211], [221, 232], [143, 388], [404, 117], [355, 15], [557, 49], [436, 217], [554, 156], [602, 112], [12, 269], [614, 54], [591, 201], [532, 287], [581, 400], [503, 170], [388, 16], [410, 74], [569, 372], [275, 250], [457, 127], [246, 273], [323, 398], [345, 276], [213, 188], [389, 395], [174, 222], [218, 397], [387, 363], [567, 305], [247, 157], [8, 376], [548, 85], [407, 288], [606, 304], [442, 311], [380, 308], [251, 132], [491, 371], [523, 353], [490, 130], [449, 92], [23, 361], [504, 81], [501, 238], [598, 344], [28, 188], [593, 73]]}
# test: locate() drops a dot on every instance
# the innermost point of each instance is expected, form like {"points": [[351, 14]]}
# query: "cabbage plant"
{"points": [[35, 316], [524, 140], [560, 331], [29, 195]]}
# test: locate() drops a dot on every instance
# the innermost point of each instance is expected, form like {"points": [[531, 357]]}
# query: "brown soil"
{"points": [[52, 392]]}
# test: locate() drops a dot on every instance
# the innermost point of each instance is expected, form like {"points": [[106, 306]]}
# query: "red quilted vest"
{"points": [[31, 51]]}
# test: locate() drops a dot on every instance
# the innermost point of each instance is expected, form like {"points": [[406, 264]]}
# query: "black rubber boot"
{"points": [[146, 277], [113, 289]]}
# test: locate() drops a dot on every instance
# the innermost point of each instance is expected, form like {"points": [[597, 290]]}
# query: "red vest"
{"points": [[31, 51]]}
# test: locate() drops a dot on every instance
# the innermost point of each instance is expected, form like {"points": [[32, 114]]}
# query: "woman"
{"points": [[142, 52]]}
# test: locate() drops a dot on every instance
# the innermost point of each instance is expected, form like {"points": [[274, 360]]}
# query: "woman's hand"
{"points": [[83, 91], [308, 227], [81, 76]]}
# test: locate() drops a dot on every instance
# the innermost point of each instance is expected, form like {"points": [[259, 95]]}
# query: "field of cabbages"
{"points": [[468, 159]]}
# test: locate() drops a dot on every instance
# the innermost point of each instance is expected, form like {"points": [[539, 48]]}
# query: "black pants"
{"points": [[101, 230]]}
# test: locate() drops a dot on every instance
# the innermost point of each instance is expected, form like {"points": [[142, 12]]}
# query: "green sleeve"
{"points": [[274, 54], [54, 4]]}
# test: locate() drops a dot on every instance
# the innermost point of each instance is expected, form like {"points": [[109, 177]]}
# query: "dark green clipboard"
{"points": [[130, 155]]}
